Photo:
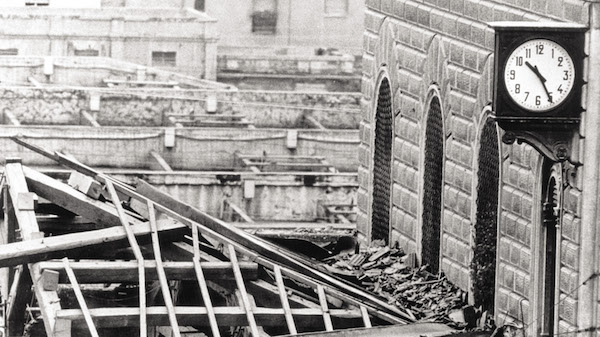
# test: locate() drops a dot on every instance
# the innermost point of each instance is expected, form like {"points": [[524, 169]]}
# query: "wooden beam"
{"points": [[69, 198], [126, 271], [314, 123], [161, 161], [162, 276], [48, 299], [11, 118], [13, 254], [243, 293], [17, 301], [138, 256], [324, 308], [200, 276], [197, 316], [80, 299], [289, 319], [239, 211], [90, 119]]}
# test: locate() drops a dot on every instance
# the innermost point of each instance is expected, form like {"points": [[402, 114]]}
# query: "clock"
{"points": [[538, 80], [539, 75]]}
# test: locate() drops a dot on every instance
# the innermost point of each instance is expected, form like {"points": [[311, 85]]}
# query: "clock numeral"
{"points": [[539, 49], [528, 53], [526, 95], [552, 52], [519, 60], [512, 74], [517, 88], [538, 100], [560, 89], [566, 77], [560, 61]]}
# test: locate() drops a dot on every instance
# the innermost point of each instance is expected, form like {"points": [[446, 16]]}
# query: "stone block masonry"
{"points": [[444, 49], [277, 109]]}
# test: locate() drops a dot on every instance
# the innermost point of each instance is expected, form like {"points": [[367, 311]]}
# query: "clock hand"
{"points": [[536, 71]]}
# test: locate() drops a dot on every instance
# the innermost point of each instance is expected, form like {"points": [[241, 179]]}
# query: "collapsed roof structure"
{"points": [[134, 258]]}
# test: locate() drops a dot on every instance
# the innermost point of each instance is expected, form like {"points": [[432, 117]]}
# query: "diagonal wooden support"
{"points": [[138, 256], [90, 119], [212, 319], [365, 315], [161, 161], [80, 299], [244, 294], [25, 218], [325, 308], [289, 319], [162, 277]]}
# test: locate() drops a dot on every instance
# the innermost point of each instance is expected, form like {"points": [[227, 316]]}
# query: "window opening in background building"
{"points": [[37, 2], [86, 52], [432, 189], [164, 58], [336, 7], [382, 164], [9, 51], [199, 5], [483, 265], [264, 17]]}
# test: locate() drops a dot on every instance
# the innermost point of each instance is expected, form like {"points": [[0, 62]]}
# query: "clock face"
{"points": [[539, 75]]}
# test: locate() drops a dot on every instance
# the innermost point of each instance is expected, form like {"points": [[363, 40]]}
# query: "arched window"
{"points": [[382, 164], [432, 188], [483, 265]]}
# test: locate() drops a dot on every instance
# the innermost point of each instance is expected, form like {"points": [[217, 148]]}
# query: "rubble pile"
{"points": [[392, 274]]}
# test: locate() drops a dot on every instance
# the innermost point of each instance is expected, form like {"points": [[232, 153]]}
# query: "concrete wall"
{"points": [[187, 149], [299, 23], [130, 34], [277, 197], [444, 49], [139, 107]]}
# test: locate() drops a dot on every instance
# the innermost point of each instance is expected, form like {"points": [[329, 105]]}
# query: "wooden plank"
{"points": [[138, 256], [239, 211], [161, 161], [48, 300], [162, 277], [80, 299], [324, 308], [212, 319], [314, 123], [16, 253], [289, 319], [11, 118], [69, 198], [17, 301], [197, 316], [365, 316], [90, 119], [242, 289], [126, 271]]}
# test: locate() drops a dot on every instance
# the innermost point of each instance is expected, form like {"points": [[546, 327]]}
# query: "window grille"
{"points": [[164, 58]]}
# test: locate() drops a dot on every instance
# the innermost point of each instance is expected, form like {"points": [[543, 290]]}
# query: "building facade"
{"points": [[174, 39], [514, 229], [288, 24]]}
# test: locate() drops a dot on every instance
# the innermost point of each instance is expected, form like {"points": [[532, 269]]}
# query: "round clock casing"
{"points": [[539, 75]]}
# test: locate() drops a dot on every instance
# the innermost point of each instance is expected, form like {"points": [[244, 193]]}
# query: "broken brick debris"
{"points": [[391, 274]]}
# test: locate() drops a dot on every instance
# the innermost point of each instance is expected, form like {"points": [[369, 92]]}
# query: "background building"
{"points": [[435, 179], [175, 39]]}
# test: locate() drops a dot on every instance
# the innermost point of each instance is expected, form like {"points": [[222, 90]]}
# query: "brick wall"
{"points": [[445, 49]]}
